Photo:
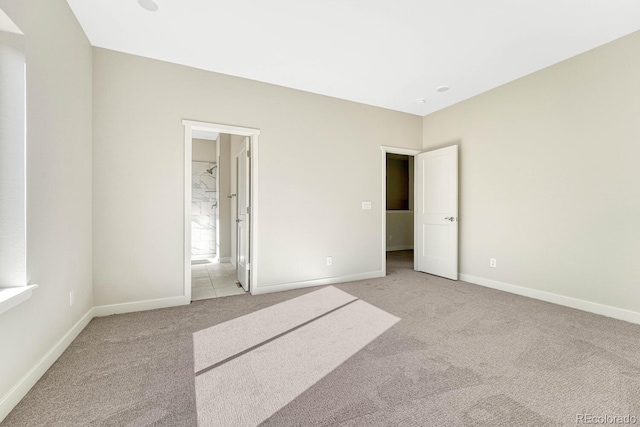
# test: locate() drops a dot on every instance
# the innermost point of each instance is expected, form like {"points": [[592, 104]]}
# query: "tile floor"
{"points": [[214, 280]]}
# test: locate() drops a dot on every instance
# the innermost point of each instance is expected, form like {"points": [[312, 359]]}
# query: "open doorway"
{"points": [[399, 211], [213, 266], [430, 197], [399, 202], [219, 210]]}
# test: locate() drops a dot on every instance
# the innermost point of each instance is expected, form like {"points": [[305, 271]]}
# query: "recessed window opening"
{"points": [[13, 259]]}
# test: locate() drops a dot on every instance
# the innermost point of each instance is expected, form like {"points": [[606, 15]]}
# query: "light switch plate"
{"points": [[366, 205]]}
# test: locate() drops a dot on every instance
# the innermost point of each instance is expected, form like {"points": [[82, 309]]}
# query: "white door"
{"points": [[436, 212], [242, 221]]}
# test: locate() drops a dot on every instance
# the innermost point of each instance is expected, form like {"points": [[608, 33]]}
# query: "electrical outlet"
{"points": [[329, 260], [366, 205], [492, 262], [72, 298]]}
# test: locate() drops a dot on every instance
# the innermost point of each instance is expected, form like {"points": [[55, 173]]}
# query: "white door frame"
{"points": [[391, 150], [254, 135]]}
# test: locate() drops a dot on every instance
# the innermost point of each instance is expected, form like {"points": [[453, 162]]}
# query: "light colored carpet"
{"points": [[248, 389], [214, 344], [462, 355]]}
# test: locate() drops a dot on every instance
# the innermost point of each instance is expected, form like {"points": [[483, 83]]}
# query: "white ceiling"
{"points": [[203, 134], [384, 53], [6, 24]]}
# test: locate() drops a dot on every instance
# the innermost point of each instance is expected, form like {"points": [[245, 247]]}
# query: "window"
{"points": [[13, 265]]}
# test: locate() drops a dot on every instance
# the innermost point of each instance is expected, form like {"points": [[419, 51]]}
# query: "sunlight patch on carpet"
{"points": [[280, 352], [215, 344]]}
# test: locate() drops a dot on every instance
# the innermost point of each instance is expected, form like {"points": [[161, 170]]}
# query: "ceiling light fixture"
{"points": [[149, 5], [420, 101], [442, 88]]}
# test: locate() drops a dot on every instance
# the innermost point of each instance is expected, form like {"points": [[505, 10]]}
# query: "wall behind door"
{"points": [[203, 150]]}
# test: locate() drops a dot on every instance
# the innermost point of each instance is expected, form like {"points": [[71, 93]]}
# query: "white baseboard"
{"points": [[130, 307], [591, 307], [318, 282], [15, 395], [225, 259], [399, 248]]}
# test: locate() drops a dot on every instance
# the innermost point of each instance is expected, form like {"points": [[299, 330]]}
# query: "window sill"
{"points": [[10, 297]]}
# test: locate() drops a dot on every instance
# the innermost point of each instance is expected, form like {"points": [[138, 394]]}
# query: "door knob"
{"points": [[238, 220], [450, 218]]}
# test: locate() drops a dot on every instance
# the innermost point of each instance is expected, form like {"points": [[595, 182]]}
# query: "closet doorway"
{"points": [[434, 207]]}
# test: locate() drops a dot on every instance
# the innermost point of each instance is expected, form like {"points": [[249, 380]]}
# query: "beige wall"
{"points": [[319, 159], [549, 177], [225, 202], [399, 230], [203, 150], [59, 161]]}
